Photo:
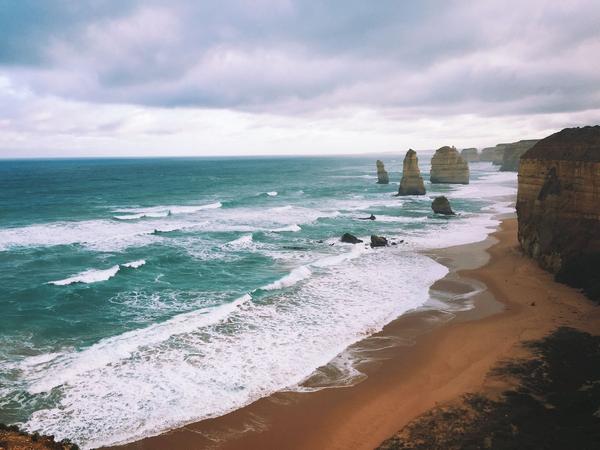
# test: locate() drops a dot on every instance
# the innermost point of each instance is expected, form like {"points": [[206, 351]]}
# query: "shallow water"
{"points": [[130, 286]]}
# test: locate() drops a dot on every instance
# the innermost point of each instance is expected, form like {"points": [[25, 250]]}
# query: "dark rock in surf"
{"points": [[350, 239], [378, 241], [441, 205]]}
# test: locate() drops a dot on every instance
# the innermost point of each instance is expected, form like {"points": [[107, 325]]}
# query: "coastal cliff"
{"points": [[447, 166], [558, 206], [411, 182], [513, 152], [493, 154], [382, 175], [469, 154]]}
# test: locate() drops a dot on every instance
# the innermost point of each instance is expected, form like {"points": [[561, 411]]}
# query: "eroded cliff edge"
{"points": [[558, 206], [513, 152]]}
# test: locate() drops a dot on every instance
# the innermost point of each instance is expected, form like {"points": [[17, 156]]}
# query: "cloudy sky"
{"points": [[230, 77]]}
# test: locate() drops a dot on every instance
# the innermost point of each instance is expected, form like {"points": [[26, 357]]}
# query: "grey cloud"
{"points": [[437, 57]]}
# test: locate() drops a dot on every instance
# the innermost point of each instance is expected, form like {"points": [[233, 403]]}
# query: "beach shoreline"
{"points": [[431, 365]]}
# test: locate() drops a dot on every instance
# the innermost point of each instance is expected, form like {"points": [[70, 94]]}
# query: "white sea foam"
{"points": [[401, 219], [117, 235], [88, 276], [197, 361], [242, 242], [163, 211], [488, 187], [144, 215], [296, 275], [293, 228], [113, 349], [97, 275], [272, 194], [135, 264]]}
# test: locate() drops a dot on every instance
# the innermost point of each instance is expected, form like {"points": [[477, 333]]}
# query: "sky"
{"points": [[241, 77]]}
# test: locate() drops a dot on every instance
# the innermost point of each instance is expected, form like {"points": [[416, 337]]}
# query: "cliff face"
{"points": [[447, 166], [558, 206], [411, 182], [493, 154], [469, 154], [513, 152], [382, 175]]}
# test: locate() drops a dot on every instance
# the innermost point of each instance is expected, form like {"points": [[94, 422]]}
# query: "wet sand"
{"points": [[496, 298]]}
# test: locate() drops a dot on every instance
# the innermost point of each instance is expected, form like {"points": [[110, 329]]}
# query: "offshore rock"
{"points": [[513, 152], [447, 166], [378, 241], [350, 239], [558, 206], [382, 175], [469, 154], [411, 182], [441, 205]]}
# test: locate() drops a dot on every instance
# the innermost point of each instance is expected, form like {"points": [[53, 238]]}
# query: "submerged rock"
{"points": [[469, 154], [558, 206], [378, 241], [447, 166], [441, 205], [382, 175], [411, 182], [350, 239]]}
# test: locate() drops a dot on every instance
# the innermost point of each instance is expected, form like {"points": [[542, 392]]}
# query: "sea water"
{"points": [[138, 295]]}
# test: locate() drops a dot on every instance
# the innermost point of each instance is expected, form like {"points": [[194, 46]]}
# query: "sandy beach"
{"points": [[437, 357]]}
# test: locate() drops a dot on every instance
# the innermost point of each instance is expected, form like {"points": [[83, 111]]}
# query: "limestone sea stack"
{"points": [[513, 152], [382, 175], [469, 154], [447, 166], [411, 182], [558, 206]]}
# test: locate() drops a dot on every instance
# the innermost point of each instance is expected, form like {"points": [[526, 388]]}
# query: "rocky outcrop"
{"points": [[469, 154], [447, 166], [378, 241], [411, 182], [441, 205], [493, 154], [558, 206], [350, 239], [11, 437], [382, 175], [513, 152]]}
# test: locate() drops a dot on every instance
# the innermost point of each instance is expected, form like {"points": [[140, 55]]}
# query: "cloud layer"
{"points": [[402, 61]]}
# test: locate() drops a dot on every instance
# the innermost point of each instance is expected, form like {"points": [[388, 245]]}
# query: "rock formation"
{"points": [[411, 182], [382, 175], [441, 205], [558, 206], [447, 166], [469, 154], [350, 239], [493, 154], [11, 437], [378, 241], [513, 152]]}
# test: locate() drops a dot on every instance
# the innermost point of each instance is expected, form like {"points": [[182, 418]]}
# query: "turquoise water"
{"points": [[129, 286]]}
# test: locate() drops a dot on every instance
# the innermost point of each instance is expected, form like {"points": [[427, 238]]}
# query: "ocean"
{"points": [[138, 295]]}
